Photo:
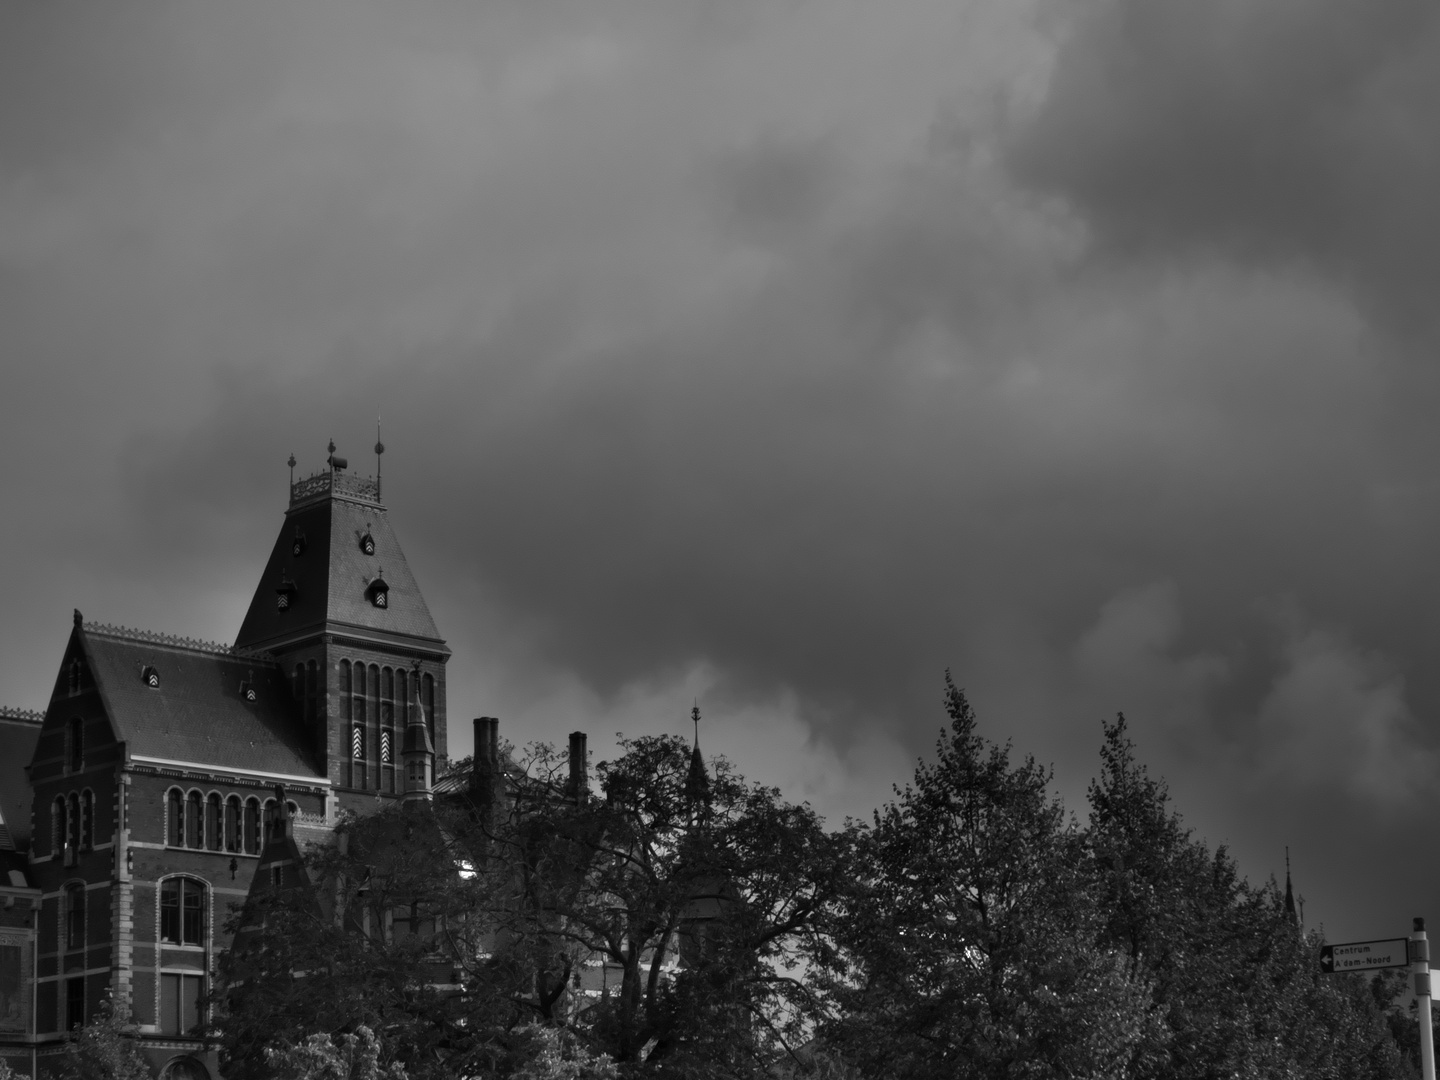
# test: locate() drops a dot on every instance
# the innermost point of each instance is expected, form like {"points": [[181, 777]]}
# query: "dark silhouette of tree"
{"points": [[1234, 979], [659, 924], [969, 947]]}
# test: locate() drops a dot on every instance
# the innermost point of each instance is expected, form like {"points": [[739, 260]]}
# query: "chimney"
{"points": [[485, 775], [578, 787]]}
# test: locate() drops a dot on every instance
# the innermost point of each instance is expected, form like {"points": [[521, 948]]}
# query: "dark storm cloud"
{"points": [[1282, 131], [778, 355]]}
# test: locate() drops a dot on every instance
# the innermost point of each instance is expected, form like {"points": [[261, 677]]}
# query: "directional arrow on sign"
{"points": [[1364, 955]]}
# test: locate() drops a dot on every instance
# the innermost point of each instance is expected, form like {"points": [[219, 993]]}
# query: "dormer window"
{"points": [[285, 593], [298, 545], [378, 592], [150, 677], [367, 543]]}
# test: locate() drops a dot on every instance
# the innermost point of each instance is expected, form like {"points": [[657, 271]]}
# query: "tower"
{"points": [[340, 610]]}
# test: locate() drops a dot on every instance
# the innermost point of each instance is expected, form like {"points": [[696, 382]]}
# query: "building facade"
{"points": [[139, 817]]}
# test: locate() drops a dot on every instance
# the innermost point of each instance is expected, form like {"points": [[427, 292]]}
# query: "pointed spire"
{"points": [[697, 783], [417, 753]]}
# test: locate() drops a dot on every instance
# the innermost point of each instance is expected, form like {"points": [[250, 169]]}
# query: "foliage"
{"points": [[104, 1049], [324, 1057], [970, 948], [684, 905], [691, 903], [1239, 984], [556, 1057], [682, 922]]}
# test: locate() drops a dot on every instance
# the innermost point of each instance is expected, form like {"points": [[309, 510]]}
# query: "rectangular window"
{"points": [[182, 912], [180, 1003], [357, 742], [75, 1002]]}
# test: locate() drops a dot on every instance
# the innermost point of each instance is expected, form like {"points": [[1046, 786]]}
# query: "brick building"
{"points": [[135, 806]]}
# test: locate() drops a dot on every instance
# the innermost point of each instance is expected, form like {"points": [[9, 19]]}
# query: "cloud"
{"points": [[782, 355], [1337, 718], [1281, 132]]}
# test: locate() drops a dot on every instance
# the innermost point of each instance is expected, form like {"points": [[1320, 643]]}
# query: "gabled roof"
{"points": [[199, 712], [19, 731], [332, 577]]}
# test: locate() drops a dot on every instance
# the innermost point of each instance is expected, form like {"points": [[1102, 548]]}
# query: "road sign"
{"points": [[1364, 955]]}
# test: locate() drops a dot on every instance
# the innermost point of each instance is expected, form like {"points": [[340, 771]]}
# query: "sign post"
{"points": [[1420, 965]]}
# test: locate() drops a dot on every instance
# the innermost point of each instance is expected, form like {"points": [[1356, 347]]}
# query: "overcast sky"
{"points": [[778, 354]]}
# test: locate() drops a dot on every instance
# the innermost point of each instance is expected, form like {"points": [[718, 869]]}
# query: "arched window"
{"points": [[87, 820], [387, 715], [234, 839], [75, 737], [59, 827], [213, 821], [344, 689], [268, 816], [375, 694], [182, 911], [427, 698], [194, 820], [72, 837], [253, 840], [74, 914], [175, 835], [185, 1068], [358, 673]]}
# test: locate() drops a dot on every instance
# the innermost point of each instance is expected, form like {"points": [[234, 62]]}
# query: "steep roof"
{"points": [[19, 731], [329, 517], [199, 711]]}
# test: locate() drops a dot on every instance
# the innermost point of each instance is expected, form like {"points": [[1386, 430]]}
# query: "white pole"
{"points": [[1420, 966]]}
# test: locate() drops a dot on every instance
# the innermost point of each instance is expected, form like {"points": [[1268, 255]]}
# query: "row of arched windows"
{"points": [[373, 699], [72, 822], [212, 823]]}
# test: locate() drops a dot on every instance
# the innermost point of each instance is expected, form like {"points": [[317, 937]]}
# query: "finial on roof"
{"points": [[695, 719], [379, 449], [331, 448], [78, 617]]}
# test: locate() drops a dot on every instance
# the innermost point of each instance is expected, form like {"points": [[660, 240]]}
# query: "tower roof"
{"points": [[342, 571]]}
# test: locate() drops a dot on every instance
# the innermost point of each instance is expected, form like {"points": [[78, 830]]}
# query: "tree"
{"points": [[684, 895], [969, 946], [384, 930], [1235, 981], [324, 1057], [104, 1049], [691, 892]]}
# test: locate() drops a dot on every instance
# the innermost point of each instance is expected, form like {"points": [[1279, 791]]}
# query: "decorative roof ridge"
{"points": [[175, 641], [31, 716]]}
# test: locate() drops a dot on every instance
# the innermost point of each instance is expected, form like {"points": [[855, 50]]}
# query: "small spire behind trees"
{"points": [[697, 783]]}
